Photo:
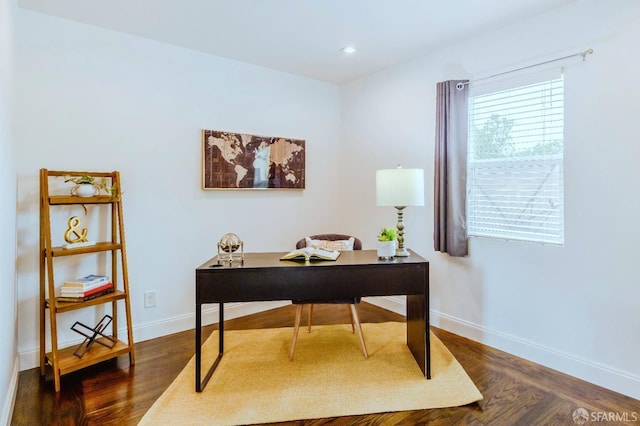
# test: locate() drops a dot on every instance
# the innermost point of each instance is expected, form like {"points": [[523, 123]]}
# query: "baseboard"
{"points": [[596, 373], [599, 374], [10, 398], [141, 332], [210, 315], [395, 304]]}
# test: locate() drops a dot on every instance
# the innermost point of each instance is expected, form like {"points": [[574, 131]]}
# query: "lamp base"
{"points": [[402, 252]]}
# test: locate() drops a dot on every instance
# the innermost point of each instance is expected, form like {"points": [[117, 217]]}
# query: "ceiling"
{"points": [[302, 37]]}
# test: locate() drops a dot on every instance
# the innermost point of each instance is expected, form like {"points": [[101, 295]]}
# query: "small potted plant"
{"points": [[387, 243], [87, 186]]}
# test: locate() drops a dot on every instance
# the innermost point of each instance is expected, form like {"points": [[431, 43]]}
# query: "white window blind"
{"points": [[515, 177]]}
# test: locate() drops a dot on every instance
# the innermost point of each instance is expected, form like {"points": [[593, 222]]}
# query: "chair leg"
{"points": [[309, 319], [354, 314], [296, 326], [353, 323]]}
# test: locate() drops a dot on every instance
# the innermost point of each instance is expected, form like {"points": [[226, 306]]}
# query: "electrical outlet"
{"points": [[149, 299]]}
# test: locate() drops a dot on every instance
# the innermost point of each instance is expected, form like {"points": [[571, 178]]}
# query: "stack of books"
{"points": [[85, 288]]}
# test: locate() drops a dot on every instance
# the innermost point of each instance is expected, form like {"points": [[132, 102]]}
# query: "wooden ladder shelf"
{"points": [[63, 360]]}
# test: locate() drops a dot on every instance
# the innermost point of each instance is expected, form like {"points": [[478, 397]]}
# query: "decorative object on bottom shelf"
{"points": [[386, 243], [228, 246], [90, 339]]}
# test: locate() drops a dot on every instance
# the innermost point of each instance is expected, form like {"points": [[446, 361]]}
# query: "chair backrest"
{"points": [[357, 244]]}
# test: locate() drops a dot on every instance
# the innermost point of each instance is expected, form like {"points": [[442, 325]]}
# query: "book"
{"points": [[88, 281], [85, 298], [82, 290], [77, 292], [310, 253]]}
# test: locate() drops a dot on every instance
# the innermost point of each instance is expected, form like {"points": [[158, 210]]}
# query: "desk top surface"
{"points": [[272, 260]]}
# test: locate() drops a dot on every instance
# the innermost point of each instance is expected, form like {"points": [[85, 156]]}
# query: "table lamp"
{"points": [[400, 188]]}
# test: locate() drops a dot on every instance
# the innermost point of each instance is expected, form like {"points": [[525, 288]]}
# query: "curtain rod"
{"points": [[584, 54]]}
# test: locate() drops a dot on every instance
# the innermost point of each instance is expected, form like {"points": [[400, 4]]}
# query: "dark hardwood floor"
{"points": [[516, 392]]}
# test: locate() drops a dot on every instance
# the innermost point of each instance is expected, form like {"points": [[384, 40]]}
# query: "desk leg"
{"points": [[201, 384], [418, 338]]}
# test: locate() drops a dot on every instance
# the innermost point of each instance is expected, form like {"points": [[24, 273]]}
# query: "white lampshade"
{"points": [[400, 187]]}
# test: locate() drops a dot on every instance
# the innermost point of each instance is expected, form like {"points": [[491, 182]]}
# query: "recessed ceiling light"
{"points": [[349, 49]]}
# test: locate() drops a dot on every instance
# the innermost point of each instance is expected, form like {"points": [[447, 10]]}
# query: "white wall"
{"points": [[91, 99], [98, 100], [572, 308], [8, 301]]}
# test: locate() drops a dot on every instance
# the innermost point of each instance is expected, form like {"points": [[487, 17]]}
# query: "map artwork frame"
{"points": [[243, 161]]}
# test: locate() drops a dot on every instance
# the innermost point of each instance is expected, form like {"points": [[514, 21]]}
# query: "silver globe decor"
{"points": [[228, 245]]}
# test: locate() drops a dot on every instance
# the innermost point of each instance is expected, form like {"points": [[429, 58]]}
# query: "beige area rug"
{"points": [[257, 383]]}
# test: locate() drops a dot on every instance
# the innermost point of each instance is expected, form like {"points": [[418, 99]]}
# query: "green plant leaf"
{"points": [[387, 234]]}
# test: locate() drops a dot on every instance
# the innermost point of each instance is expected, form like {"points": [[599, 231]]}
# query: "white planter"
{"points": [[84, 190], [386, 249]]}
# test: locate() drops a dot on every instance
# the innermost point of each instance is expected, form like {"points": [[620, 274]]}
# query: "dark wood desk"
{"points": [[264, 277]]}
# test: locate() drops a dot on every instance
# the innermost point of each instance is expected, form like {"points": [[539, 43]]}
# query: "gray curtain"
{"points": [[450, 180]]}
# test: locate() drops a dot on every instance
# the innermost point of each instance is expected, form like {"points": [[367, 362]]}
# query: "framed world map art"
{"points": [[242, 161]]}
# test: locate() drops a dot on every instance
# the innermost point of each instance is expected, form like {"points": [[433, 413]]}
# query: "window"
{"points": [[515, 177]]}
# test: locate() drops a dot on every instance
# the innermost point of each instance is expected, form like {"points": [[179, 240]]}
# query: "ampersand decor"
{"points": [[73, 225]]}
